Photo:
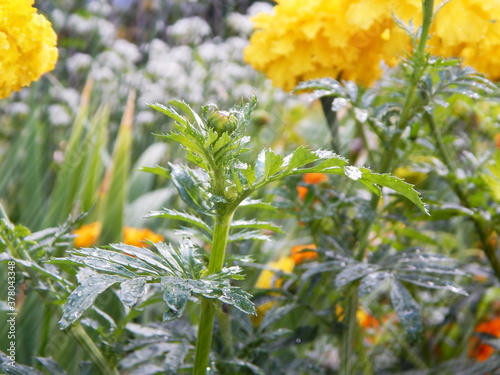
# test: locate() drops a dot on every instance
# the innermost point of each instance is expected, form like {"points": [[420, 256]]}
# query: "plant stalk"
{"points": [[489, 250], [389, 159], [347, 360], [207, 313], [92, 350], [347, 357]]}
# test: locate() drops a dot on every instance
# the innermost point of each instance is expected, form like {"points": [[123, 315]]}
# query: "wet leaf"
{"points": [[408, 310], [84, 296], [132, 290], [354, 272], [176, 295]]}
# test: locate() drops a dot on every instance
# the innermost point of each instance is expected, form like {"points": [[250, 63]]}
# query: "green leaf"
{"points": [[408, 310], [170, 112], [354, 272], [115, 181], [188, 187], [84, 296], [124, 258], [132, 290], [326, 86], [445, 212], [140, 183], [248, 235], [257, 204], [13, 368], [176, 295], [51, 366], [191, 114], [158, 170], [395, 184], [182, 216], [254, 224], [300, 157], [238, 298]]}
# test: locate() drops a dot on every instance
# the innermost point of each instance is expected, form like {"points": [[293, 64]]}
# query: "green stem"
{"points": [[207, 313], [92, 350], [347, 357], [489, 250], [331, 121], [388, 161], [47, 315], [389, 158]]}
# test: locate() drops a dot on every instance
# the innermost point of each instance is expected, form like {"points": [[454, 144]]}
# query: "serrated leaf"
{"points": [[371, 281], [189, 188], [395, 184], [175, 358], [254, 224], [169, 111], [188, 110], [257, 204], [300, 157], [274, 315], [176, 295], [238, 298], [132, 290], [431, 282], [106, 266], [84, 296], [182, 216], [158, 170], [13, 368], [445, 212], [353, 272], [408, 310], [51, 366], [329, 86], [248, 235], [119, 258]]}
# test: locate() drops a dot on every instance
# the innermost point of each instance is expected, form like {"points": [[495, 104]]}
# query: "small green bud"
{"points": [[220, 121], [231, 193], [261, 117]]}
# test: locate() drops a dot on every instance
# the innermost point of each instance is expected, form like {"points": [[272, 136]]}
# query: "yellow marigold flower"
{"points": [[470, 30], [265, 280], [325, 38], [314, 178], [27, 45], [134, 236], [305, 40], [299, 255], [87, 235]]}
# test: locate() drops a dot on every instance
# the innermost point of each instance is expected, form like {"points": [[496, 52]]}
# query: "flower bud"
{"points": [[220, 121]]}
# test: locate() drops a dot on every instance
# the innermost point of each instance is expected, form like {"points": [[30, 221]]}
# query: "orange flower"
{"points": [[497, 139], [366, 320], [483, 351], [314, 178], [298, 255], [302, 191], [134, 236], [87, 235]]}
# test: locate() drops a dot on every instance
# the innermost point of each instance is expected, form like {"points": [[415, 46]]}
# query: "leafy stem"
{"points": [[489, 250]]}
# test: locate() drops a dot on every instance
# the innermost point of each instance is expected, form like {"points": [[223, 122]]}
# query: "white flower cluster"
{"points": [[193, 65]]}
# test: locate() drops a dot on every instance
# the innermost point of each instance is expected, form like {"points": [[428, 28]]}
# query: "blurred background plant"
{"points": [[75, 142]]}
